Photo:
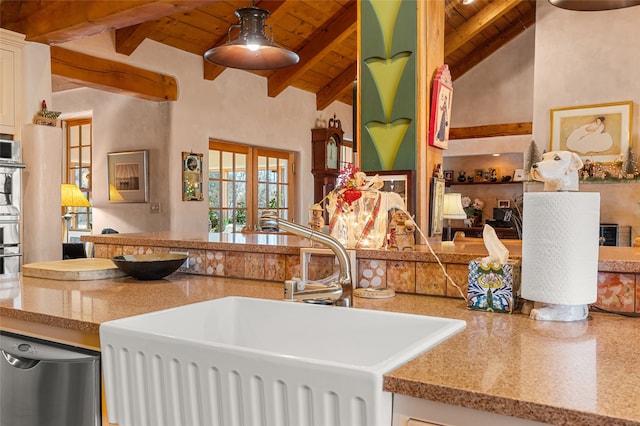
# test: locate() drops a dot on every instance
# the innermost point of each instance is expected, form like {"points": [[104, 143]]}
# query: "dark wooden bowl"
{"points": [[149, 266]]}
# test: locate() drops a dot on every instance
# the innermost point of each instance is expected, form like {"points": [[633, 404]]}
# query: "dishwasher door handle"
{"points": [[20, 362]]}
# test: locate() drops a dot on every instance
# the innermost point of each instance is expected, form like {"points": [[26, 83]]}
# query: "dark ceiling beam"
{"points": [[112, 76], [55, 22], [331, 91], [340, 27]]}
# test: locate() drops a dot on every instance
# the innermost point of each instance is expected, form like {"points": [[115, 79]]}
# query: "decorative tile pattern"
{"points": [[430, 279], [234, 264], [215, 262], [401, 276], [254, 265], [197, 262], [460, 275], [371, 273], [274, 267], [616, 292]]}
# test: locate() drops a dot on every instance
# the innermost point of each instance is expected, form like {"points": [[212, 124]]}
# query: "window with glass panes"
{"points": [[78, 135], [243, 182]]}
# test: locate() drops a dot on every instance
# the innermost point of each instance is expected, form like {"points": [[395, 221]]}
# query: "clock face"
{"points": [[332, 153]]}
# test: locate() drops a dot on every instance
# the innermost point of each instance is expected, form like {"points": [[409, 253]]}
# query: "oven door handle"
{"points": [[10, 255]]}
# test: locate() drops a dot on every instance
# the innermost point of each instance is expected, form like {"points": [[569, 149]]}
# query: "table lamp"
{"points": [[71, 197], [452, 209]]}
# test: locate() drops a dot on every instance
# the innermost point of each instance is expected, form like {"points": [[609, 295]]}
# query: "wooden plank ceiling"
{"points": [[322, 32]]}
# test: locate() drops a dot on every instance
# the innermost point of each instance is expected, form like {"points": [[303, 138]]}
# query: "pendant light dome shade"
{"points": [[594, 5], [252, 50]]}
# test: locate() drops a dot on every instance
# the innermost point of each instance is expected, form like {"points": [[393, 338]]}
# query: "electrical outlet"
{"points": [[154, 207]]}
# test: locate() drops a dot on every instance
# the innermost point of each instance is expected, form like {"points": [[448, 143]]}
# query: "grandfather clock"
{"points": [[325, 157]]}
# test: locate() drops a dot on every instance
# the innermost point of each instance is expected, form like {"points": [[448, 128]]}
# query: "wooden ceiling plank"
{"points": [[112, 76], [339, 28], [477, 23], [331, 91], [61, 21]]}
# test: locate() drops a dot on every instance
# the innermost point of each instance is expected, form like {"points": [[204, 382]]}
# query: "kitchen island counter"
{"points": [[563, 373]]}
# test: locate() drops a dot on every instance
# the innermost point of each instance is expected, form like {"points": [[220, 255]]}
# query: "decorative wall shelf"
{"points": [[483, 183]]}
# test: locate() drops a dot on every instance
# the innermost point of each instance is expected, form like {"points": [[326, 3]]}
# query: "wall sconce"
{"points": [[252, 50], [452, 209], [71, 197]]}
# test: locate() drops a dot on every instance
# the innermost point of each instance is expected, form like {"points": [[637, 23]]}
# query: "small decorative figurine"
{"points": [[462, 176], [558, 170], [317, 220], [45, 117], [401, 231]]}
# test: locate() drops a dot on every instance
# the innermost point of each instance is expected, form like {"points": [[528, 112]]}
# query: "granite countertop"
{"points": [[611, 259], [562, 373]]}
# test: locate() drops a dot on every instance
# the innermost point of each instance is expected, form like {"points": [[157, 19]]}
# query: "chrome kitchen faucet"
{"points": [[339, 292]]}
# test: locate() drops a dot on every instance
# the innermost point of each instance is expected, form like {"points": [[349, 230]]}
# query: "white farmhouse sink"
{"points": [[252, 362]]}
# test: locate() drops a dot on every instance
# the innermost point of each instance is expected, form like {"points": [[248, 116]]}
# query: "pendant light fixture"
{"points": [[252, 50], [594, 5]]}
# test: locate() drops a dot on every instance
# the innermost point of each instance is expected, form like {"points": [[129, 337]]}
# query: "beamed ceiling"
{"points": [[322, 32]]}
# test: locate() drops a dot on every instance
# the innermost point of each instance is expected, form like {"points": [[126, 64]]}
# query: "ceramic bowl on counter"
{"points": [[149, 266]]}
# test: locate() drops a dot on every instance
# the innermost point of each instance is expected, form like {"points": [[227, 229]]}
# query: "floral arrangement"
{"points": [[349, 184], [472, 208]]}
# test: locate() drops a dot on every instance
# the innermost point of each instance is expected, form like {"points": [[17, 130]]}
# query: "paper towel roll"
{"points": [[560, 239]]}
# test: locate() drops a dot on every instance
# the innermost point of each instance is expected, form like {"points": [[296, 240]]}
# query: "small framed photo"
{"points": [[504, 204], [128, 173], [486, 175], [192, 177], [518, 175], [448, 175], [478, 175]]}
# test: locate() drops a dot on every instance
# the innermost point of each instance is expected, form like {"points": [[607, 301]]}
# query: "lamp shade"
{"points": [[452, 208], [252, 50], [73, 197]]}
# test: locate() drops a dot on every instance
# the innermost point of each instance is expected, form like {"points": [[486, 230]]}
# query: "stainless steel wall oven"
{"points": [[10, 205]]}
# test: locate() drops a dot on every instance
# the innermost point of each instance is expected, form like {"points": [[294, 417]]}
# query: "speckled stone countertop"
{"points": [[611, 259], [583, 373]]}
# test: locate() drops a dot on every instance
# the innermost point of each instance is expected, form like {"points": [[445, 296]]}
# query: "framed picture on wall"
{"points": [[192, 177], [439, 123], [128, 174], [601, 132]]}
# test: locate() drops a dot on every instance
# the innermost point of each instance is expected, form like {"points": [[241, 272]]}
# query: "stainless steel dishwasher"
{"points": [[47, 384]]}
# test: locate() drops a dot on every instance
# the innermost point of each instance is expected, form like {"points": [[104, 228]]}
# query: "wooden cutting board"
{"points": [[73, 269]]}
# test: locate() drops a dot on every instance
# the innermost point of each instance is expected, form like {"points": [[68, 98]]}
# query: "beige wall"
{"points": [[581, 58], [585, 58], [234, 107]]}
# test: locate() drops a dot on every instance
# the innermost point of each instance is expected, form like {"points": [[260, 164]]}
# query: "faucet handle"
{"points": [[291, 286]]}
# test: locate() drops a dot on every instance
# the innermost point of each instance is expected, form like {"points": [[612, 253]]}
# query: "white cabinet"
{"points": [[10, 82], [410, 411]]}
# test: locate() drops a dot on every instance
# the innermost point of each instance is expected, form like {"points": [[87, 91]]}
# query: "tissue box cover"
{"points": [[493, 286]]}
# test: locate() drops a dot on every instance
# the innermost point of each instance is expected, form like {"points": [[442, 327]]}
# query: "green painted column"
{"points": [[388, 85]]}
